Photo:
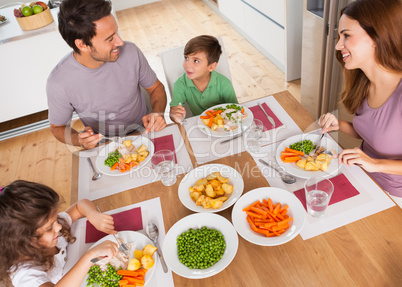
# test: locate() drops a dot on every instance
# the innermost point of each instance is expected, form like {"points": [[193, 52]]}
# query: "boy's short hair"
{"points": [[204, 43]]}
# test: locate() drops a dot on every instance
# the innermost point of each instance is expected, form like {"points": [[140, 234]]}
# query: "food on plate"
{"points": [[2, 19], [319, 161], [305, 146], [126, 156], [267, 218], [31, 9], [211, 191], [97, 277], [142, 258], [226, 118], [122, 270], [200, 248], [132, 278]]}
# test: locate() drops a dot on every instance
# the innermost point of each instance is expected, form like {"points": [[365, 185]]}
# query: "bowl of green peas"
{"points": [[200, 245]]}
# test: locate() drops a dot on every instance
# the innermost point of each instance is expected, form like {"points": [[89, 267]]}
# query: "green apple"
{"points": [[26, 11], [37, 9]]}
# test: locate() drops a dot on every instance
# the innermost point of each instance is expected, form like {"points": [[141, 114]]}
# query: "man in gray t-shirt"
{"points": [[101, 79]]}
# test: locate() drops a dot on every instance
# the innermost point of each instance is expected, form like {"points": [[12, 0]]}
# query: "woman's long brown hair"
{"points": [[24, 207], [382, 21]]}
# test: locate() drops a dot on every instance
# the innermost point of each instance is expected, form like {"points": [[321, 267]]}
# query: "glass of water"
{"points": [[163, 162], [318, 194], [253, 135]]}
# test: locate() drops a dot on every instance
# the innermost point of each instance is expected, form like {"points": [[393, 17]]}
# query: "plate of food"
{"points": [[268, 216], [137, 265], [128, 153], [207, 229], [210, 188], [225, 120], [296, 155]]}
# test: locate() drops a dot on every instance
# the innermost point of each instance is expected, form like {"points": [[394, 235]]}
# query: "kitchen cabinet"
{"points": [[272, 26]]}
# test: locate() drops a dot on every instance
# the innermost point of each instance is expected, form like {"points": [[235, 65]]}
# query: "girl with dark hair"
{"points": [[370, 51], [34, 237]]}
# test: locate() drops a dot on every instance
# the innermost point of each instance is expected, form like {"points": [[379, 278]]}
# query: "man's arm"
{"points": [[155, 121], [66, 134]]}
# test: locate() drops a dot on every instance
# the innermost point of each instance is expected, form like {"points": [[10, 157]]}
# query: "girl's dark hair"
{"points": [[76, 20], [24, 207], [204, 43], [382, 21]]}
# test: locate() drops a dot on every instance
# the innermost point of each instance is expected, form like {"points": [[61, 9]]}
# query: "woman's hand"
{"points": [[328, 122], [177, 114], [102, 221], [356, 156]]}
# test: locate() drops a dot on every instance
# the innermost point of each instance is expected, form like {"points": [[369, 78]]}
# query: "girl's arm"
{"points": [[77, 274], [86, 208]]}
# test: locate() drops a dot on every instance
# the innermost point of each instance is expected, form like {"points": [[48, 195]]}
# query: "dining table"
{"points": [[364, 252]]}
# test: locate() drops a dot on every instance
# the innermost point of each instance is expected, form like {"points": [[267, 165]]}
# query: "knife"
{"points": [[228, 140], [271, 120]]}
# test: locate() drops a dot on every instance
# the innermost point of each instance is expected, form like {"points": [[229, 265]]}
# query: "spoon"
{"points": [[96, 175], [153, 233], [286, 178]]}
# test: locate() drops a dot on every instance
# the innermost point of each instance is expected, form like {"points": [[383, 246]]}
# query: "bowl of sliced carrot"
{"points": [[268, 216]]}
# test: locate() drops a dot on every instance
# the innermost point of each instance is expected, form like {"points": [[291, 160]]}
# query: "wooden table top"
{"points": [[367, 252]]}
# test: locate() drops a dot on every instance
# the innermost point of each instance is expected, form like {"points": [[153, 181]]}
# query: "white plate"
{"points": [[246, 123], [137, 141], [197, 221], [140, 241], [293, 169], [191, 178], [295, 210]]}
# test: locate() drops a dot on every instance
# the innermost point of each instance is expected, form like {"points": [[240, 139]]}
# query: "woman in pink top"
{"points": [[370, 51]]}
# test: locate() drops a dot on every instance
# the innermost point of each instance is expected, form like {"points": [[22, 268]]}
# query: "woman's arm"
{"points": [[356, 156], [329, 122]]}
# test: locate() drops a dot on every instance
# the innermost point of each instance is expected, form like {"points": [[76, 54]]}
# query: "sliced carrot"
{"points": [[277, 208], [133, 164], [294, 151], [209, 113], [284, 153], [259, 211], [123, 282], [271, 208], [291, 159], [127, 273], [211, 121], [114, 166], [242, 110], [251, 214], [204, 117]]}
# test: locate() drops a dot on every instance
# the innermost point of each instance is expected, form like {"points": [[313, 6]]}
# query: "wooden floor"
{"points": [[155, 27]]}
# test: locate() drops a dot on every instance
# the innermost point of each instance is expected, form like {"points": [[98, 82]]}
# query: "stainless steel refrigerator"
{"points": [[321, 76]]}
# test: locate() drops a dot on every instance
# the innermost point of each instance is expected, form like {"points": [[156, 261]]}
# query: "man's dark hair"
{"points": [[77, 17]]}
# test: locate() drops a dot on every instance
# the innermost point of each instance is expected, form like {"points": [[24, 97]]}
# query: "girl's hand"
{"points": [[102, 221], [106, 249], [177, 114], [356, 156], [328, 122]]}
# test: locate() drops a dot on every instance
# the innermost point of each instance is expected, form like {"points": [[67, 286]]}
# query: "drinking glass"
{"points": [[253, 134], [163, 162], [318, 194]]}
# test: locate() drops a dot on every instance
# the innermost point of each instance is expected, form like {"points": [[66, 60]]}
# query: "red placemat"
{"points": [[343, 189], [165, 142], [259, 114], [125, 220]]}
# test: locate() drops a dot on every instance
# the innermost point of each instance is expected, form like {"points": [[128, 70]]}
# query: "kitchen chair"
{"points": [[172, 62]]}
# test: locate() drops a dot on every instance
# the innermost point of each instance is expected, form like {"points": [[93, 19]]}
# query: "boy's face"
{"points": [[196, 66]]}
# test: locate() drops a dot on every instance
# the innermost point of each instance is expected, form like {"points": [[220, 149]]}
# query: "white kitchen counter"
{"points": [[27, 58]]}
